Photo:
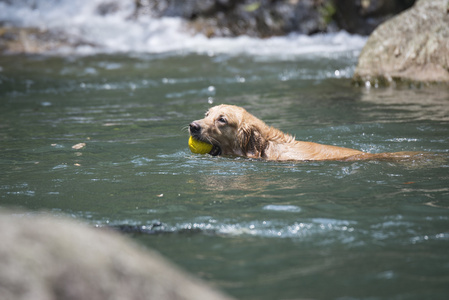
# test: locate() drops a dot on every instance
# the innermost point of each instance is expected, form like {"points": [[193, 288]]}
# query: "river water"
{"points": [[255, 229]]}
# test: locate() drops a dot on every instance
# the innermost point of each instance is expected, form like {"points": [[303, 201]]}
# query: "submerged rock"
{"points": [[412, 47], [48, 258]]}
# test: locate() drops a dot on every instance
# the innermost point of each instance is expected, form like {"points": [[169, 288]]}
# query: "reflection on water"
{"points": [[409, 104], [257, 229]]}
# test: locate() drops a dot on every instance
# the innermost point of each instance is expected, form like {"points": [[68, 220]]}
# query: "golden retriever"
{"points": [[233, 131]]}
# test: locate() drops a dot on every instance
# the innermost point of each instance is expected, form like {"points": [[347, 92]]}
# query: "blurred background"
{"points": [[154, 26]]}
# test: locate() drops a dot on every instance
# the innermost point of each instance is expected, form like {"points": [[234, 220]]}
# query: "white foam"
{"points": [[117, 32], [282, 208]]}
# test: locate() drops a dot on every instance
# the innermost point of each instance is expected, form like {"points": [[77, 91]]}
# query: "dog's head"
{"points": [[231, 130]]}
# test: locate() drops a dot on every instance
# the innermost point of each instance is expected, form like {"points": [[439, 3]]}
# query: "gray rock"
{"points": [[265, 18], [43, 258], [411, 47], [362, 17], [262, 18]]}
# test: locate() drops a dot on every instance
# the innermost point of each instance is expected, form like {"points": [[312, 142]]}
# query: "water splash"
{"points": [[116, 31]]}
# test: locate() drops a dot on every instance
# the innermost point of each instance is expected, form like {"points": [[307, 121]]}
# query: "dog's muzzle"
{"points": [[195, 131]]}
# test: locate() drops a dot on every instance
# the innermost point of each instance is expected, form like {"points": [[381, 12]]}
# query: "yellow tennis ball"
{"points": [[199, 146]]}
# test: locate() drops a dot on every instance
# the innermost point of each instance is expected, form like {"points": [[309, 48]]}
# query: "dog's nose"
{"points": [[195, 127]]}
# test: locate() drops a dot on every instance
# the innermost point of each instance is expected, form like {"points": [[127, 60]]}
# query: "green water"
{"points": [[255, 229]]}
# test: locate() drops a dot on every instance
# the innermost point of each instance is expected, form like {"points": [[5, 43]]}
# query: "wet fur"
{"points": [[237, 132]]}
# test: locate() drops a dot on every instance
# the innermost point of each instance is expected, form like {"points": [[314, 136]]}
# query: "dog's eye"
{"points": [[222, 120]]}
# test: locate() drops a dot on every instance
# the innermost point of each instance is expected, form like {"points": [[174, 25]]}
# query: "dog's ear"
{"points": [[251, 141]]}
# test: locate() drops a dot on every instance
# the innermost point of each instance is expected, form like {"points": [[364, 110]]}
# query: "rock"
{"points": [[35, 40], [412, 47], [265, 18], [42, 257], [362, 17], [262, 18]]}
